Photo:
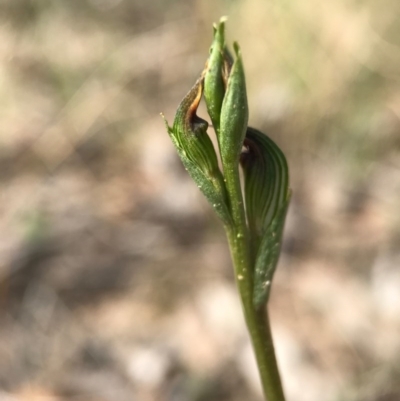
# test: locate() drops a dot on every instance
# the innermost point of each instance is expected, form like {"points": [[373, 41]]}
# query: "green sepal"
{"points": [[268, 256], [214, 88], [195, 149], [267, 197], [234, 113]]}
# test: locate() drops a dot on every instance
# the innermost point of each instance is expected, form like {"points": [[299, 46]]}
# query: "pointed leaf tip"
{"points": [[236, 47], [214, 88]]}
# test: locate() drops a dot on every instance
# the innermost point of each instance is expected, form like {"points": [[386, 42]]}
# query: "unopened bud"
{"points": [[234, 113], [267, 197], [194, 146]]}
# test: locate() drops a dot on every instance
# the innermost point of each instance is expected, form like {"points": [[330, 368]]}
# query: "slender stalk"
{"points": [[257, 321]]}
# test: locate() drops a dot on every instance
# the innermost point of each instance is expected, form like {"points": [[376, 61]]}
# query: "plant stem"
{"points": [[257, 320]]}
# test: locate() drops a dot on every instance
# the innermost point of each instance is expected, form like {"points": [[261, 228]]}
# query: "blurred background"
{"points": [[115, 277]]}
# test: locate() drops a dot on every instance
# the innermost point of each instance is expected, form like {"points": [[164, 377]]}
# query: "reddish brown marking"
{"points": [[191, 113]]}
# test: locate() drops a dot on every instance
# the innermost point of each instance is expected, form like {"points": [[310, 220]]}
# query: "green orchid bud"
{"points": [[194, 146], [266, 179], [191, 131], [234, 113], [267, 198]]}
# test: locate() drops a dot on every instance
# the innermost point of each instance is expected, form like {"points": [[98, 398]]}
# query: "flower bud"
{"points": [[267, 197], [194, 146], [191, 131], [266, 179], [234, 113]]}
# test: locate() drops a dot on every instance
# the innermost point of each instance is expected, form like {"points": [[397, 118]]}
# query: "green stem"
{"points": [[257, 321]]}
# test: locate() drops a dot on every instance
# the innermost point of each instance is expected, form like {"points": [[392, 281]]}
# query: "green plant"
{"points": [[254, 228]]}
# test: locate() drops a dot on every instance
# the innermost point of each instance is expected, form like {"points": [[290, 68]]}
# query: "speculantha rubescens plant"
{"points": [[254, 225]]}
